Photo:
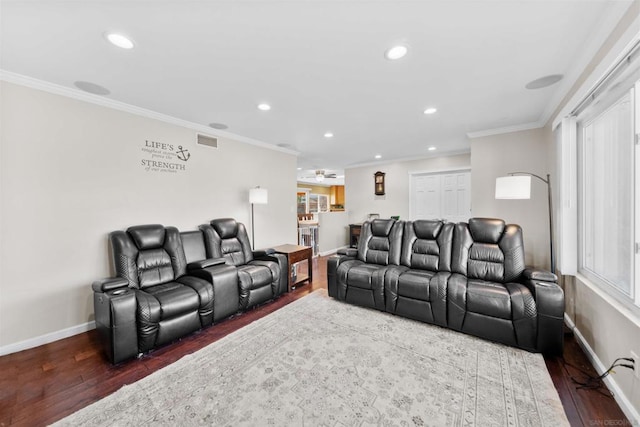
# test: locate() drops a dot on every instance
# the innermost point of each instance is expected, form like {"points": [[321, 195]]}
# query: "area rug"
{"points": [[321, 362]]}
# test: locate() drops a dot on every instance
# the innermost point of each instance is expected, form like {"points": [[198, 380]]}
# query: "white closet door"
{"points": [[445, 195], [426, 196], [456, 196]]}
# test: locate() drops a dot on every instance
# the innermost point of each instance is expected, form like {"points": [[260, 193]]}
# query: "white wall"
{"points": [[359, 189], [71, 172], [497, 155], [333, 231]]}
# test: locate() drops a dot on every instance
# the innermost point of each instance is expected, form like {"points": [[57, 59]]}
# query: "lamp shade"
{"points": [[513, 187], [258, 196]]}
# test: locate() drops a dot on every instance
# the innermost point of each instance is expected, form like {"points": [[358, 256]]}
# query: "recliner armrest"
{"points": [[550, 307], [210, 262], [350, 252], [531, 273], [264, 252], [109, 284]]}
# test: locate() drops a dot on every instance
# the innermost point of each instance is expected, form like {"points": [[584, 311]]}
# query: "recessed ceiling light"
{"points": [[432, 148], [396, 52], [92, 88], [544, 81], [378, 156], [119, 40], [430, 110], [218, 125], [299, 169], [328, 135], [264, 107]]}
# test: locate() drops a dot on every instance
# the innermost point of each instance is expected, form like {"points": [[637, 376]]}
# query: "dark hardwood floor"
{"points": [[47, 383]]}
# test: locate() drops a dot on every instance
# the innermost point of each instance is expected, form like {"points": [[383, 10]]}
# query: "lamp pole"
{"points": [[257, 196], [253, 234], [548, 182]]}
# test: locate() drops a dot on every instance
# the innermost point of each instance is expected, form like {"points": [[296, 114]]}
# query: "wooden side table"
{"points": [[295, 254], [354, 234]]}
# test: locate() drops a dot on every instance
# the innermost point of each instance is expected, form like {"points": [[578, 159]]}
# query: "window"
{"points": [[318, 203], [606, 148], [608, 180]]}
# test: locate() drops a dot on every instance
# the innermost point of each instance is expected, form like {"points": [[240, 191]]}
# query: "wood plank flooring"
{"points": [[44, 384]]}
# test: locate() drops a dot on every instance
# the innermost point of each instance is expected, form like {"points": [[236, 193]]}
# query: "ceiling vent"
{"points": [[208, 141]]}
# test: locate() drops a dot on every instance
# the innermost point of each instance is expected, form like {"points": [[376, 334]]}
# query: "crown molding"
{"points": [[409, 159], [102, 101], [507, 129]]}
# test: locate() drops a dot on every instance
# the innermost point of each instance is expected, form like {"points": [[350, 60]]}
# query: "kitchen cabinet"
{"points": [[337, 197]]}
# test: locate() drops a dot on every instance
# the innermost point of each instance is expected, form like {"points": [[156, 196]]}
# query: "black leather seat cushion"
{"points": [[415, 284], [488, 298], [174, 299], [360, 275], [253, 276]]}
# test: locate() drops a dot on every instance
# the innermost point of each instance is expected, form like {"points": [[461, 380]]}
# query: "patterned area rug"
{"points": [[321, 362]]}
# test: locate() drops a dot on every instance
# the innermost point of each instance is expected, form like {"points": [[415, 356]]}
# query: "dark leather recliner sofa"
{"points": [[469, 277], [169, 284]]}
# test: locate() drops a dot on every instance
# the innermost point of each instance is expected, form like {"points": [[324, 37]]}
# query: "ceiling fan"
{"points": [[321, 175]]}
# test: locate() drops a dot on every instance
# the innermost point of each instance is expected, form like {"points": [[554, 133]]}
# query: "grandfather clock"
{"points": [[379, 183]]}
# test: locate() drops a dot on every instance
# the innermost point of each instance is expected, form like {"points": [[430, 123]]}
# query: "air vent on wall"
{"points": [[208, 141]]}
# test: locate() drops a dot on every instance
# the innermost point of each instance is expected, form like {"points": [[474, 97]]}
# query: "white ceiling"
{"points": [[320, 65]]}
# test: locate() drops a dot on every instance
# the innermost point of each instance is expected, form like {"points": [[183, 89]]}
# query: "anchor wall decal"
{"points": [[183, 155]]}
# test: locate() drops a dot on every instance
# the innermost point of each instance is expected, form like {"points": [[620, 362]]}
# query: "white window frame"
{"points": [[318, 197], [636, 107], [567, 174], [631, 300]]}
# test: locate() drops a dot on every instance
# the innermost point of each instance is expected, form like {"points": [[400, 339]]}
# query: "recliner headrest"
{"points": [[225, 227], [427, 229], [382, 227], [149, 236], [486, 230]]}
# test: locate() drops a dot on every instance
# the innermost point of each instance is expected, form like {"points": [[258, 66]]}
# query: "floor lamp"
{"points": [[518, 186], [257, 196]]}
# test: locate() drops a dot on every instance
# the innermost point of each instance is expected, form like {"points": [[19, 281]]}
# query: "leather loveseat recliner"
{"points": [[469, 277], [166, 287]]}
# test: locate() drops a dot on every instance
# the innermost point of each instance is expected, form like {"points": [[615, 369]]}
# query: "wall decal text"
{"points": [[163, 157]]}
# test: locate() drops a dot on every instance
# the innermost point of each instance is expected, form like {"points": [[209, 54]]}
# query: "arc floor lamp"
{"points": [[517, 185], [257, 196]]}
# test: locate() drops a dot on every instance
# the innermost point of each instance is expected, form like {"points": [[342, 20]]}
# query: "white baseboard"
{"points": [[622, 400], [332, 251], [46, 338]]}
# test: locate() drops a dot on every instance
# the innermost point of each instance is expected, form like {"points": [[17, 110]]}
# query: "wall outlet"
{"points": [[636, 365]]}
